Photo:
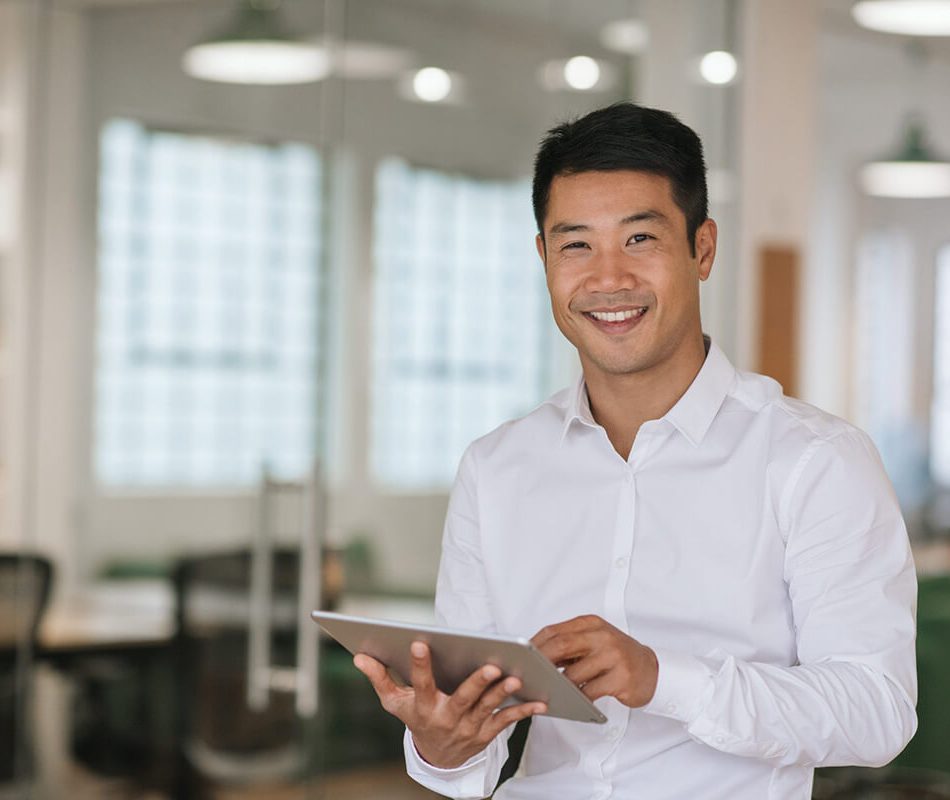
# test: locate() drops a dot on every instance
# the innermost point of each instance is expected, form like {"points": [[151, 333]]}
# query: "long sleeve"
{"points": [[462, 602], [851, 580]]}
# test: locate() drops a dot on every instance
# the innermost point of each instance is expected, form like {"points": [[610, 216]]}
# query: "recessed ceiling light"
{"points": [[629, 36], [908, 17], [581, 73], [577, 74], [431, 84], [718, 67]]}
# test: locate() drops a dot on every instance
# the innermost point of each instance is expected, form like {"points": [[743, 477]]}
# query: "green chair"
{"points": [[930, 748]]}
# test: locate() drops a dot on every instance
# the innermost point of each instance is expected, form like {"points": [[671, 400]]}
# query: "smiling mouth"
{"points": [[617, 316]]}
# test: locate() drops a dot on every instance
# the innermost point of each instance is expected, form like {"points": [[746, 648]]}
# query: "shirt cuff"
{"points": [[681, 685], [464, 780]]}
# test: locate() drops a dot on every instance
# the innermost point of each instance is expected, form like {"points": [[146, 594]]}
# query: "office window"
{"points": [[461, 319], [940, 413], [884, 291], [207, 346]]}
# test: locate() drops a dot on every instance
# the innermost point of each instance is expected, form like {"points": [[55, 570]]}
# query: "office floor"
{"points": [[388, 782]]}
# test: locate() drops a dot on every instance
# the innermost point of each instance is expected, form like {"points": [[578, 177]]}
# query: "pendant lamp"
{"points": [[255, 49], [907, 17], [912, 172]]}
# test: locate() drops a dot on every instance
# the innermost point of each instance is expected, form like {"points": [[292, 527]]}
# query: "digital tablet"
{"points": [[457, 654]]}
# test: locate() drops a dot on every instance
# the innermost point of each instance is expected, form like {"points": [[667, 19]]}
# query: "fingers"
{"points": [[564, 648], [582, 623], [507, 716], [377, 673], [601, 686], [474, 687], [586, 669], [391, 696], [490, 701], [420, 673]]}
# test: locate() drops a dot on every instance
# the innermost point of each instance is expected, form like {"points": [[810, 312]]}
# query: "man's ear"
{"points": [[706, 236], [542, 250]]}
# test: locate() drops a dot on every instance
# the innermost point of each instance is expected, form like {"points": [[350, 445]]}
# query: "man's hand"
{"points": [[600, 659], [447, 729]]}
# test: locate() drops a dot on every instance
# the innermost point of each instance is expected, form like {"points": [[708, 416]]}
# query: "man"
{"points": [[723, 569]]}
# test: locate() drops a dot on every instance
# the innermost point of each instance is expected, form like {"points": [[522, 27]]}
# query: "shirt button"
{"points": [[671, 707], [720, 738], [621, 562], [613, 732]]}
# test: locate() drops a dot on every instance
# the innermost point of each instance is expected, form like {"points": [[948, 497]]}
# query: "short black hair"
{"points": [[626, 136]]}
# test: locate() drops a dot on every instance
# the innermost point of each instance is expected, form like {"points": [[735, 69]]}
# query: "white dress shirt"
{"points": [[753, 541]]}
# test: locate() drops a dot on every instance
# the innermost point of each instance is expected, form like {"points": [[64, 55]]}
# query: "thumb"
{"points": [[378, 676]]}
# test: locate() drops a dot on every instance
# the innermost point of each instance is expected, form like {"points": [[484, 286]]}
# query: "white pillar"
{"points": [[777, 138]]}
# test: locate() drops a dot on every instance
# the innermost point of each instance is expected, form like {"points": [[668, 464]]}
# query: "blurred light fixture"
{"points": [[431, 84], [630, 36], [577, 74], [255, 49], [718, 67], [581, 73], [908, 17], [914, 172]]}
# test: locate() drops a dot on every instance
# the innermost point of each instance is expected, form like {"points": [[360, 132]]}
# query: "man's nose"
{"points": [[610, 271]]}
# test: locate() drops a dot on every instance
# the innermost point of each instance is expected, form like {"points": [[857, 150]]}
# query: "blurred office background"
{"points": [[250, 319]]}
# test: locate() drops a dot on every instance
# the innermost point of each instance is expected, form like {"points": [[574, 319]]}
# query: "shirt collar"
{"points": [[693, 413]]}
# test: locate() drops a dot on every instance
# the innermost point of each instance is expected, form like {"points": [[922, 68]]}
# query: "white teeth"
{"points": [[618, 316]]}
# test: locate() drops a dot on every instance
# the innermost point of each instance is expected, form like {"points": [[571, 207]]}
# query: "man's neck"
{"points": [[622, 403]]}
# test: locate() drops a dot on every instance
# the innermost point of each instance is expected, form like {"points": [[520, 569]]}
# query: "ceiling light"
{"points": [[629, 36], [254, 49], [718, 67], [581, 73], [432, 84], [908, 17], [914, 172]]}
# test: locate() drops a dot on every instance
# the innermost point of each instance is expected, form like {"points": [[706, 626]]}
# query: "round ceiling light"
{"points": [[718, 67], [432, 84], [581, 73], [907, 17]]}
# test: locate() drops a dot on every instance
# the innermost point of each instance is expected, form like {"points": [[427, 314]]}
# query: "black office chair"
{"points": [[25, 582], [221, 739]]}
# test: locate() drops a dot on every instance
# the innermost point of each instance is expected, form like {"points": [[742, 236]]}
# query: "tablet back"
{"points": [[456, 655]]}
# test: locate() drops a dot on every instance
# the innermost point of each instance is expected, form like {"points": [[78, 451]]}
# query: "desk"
{"points": [[108, 616], [123, 615]]}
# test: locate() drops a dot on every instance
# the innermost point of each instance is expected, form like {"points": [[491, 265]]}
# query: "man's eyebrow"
{"points": [[650, 215]]}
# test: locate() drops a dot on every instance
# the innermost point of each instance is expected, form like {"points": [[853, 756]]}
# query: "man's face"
{"points": [[624, 285]]}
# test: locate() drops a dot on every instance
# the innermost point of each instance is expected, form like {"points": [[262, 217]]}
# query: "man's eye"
{"points": [[638, 238], [574, 246]]}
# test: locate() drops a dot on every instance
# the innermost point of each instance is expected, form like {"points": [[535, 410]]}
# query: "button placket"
{"points": [[618, 575]]}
